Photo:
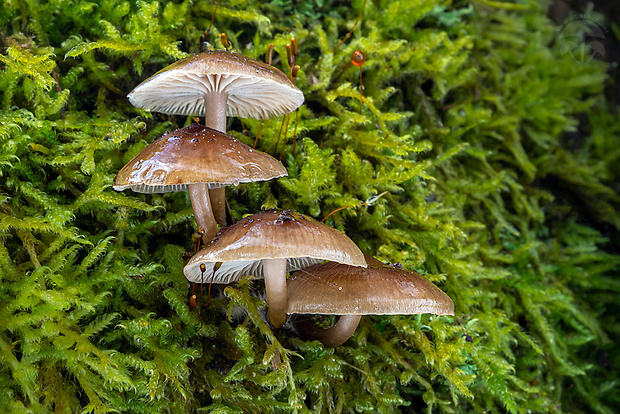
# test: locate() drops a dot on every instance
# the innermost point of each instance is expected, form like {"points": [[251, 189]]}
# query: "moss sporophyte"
{"points": [[477, 154]]}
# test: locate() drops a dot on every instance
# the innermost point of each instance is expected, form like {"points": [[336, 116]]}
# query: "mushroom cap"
{"points": [[379, 289], [271, 234], [255, 89], [195, 154]]}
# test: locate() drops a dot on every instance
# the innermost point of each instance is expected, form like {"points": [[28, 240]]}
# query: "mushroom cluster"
{"points": [[204, 159], [215, 84]]}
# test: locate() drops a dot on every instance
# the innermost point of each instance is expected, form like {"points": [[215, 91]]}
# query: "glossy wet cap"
{"points": [[195, 154], [272, 234], [336, 289], [255, 89]]}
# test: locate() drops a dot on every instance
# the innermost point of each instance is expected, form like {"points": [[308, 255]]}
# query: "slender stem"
{"points": [[288, 118], [367, 202], [275, 288], [218, 204], [330, 337], [215, 110], [361, 89], [213, 17], [258, 133], [215, 117], [199, 195], [279, 135], [295, 133], [353, 28]]}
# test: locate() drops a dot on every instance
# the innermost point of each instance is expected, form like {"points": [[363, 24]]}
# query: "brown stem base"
{"points": [[218, 204], [201, 204], [330, 337]]}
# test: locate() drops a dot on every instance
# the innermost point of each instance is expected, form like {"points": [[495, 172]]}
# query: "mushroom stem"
{"points": [[218, 204], [201, 204], [275, 288], [215, 110], [215, 117], [330, 337]]}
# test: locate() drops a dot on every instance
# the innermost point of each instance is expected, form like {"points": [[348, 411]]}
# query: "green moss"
{"points": [[465, 124]]}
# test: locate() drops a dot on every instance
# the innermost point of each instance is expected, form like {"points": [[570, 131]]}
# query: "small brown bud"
{"points": [[289, 55], [294, 71], [224, 40], [294, 46]]}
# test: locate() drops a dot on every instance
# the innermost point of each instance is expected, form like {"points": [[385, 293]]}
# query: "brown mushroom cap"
{"points": [[255, 89], [379, 289], [195, 154], [270, 234]]}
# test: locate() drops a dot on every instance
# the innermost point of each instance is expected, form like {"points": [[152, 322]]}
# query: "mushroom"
{"points": [[268, 244], [218, 83], [194, 159], [215, 84], [335, 289]]}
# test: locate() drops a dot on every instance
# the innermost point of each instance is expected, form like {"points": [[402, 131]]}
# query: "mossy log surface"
{"points": [[494, 144]]}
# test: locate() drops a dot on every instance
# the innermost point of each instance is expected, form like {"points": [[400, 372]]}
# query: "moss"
{"points": [[467, 123]]}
